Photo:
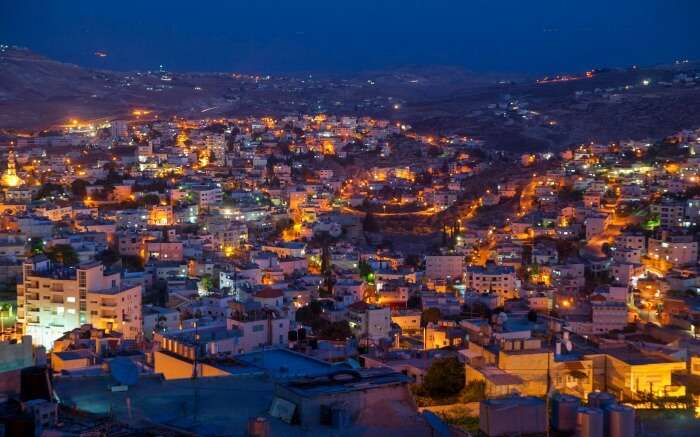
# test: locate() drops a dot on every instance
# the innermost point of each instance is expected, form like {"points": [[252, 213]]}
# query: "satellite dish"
{"points": [[124, 371], [502, 318], [568, 345]]}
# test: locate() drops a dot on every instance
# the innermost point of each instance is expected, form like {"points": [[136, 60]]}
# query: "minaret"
{"points": [[11, 164], [10, 178]]}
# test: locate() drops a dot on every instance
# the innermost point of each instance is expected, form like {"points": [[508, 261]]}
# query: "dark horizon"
{"points": [[280, 37]]}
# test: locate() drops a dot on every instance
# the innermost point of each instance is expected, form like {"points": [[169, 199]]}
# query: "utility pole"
{"points": [[235, 281], [546, 398], [195, 407]]}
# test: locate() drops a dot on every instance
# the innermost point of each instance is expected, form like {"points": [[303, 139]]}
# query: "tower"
{"points": [[10, 178]]}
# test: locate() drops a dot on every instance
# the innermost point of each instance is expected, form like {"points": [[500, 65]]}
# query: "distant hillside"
{"points": [[508, 112]]}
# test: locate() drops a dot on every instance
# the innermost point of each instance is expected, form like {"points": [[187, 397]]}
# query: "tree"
{"points": [[445, 377], [414, 260], [132, 262], [434, 152], [475, 391], [206, 282], [63, 254], [150, 200], [326, 267], [79, 188], [335, 331], [36, 246], [109, 257], [106, 192], [430, 315], [309, 314], [48, 190], [365, 271], [161, 324], [369, 223], [160, 292], [532, 315]]}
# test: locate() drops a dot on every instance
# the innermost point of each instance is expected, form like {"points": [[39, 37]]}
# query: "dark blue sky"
{"points": [[272, 36]]}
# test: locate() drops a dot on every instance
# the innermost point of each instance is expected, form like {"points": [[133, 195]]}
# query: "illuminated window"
{"points": [[70, 299]]}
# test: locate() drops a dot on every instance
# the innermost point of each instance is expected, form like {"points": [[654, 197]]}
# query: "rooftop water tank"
{"points": [[564, 408], [600, 399], [589, 422], [620, 421]]}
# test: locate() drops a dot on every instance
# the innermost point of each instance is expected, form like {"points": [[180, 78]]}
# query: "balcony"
{"points": [[108, 315]]}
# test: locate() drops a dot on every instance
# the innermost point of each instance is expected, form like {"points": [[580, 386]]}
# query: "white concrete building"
{"points": [[444, 266], [53, 299]]}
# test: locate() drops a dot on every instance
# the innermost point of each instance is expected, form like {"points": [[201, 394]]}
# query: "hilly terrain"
{"points": [[515, 113]]}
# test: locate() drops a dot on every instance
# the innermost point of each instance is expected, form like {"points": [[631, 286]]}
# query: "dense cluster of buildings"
{"points": [[252, 250]]}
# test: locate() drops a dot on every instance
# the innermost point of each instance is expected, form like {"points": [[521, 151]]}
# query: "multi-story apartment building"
{"points": [[130, 244], [393, 293], [161, 215], [226, 234], [631, 372], [671, 213], [630, 240], [55, 213], [53, 299], [692, 212], [164, 250], [596, 224], [499, 279], [207, 196], [216, 145], [678, 250], [608, 316], [19, 195], [372, 322], [260, 328], [444, 266]]}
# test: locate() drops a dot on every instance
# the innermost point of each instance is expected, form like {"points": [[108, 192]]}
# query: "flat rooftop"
{"points": [[283, 363], [205, 406], [205, 333], [633, 356], [222, 406], [367, 379]]}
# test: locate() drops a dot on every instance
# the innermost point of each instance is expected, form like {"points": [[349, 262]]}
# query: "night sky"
{"points": [[523, 36]]}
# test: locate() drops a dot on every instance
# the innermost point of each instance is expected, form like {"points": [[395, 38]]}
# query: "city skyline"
{"points": [[410, 218]]}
